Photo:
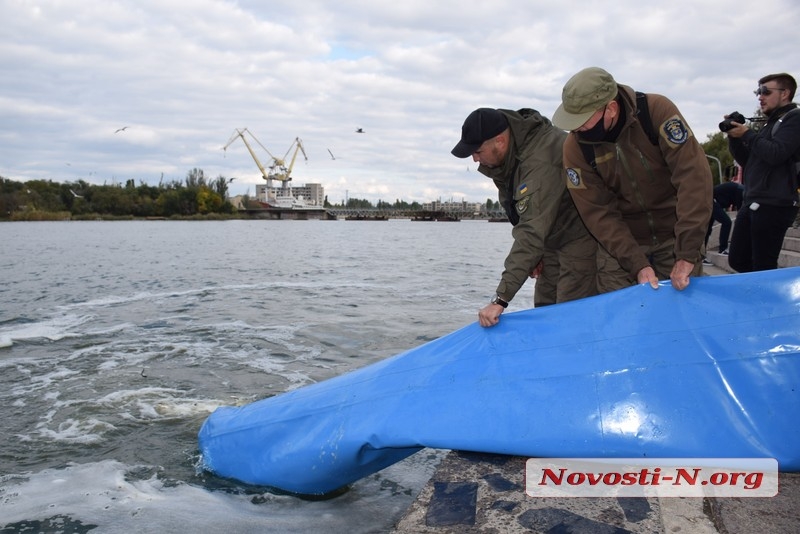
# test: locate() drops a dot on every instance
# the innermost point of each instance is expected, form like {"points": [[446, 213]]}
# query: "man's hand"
{"points": [[647, 276], [680, 274], [490, 314], [537, 271], [737, 131]]}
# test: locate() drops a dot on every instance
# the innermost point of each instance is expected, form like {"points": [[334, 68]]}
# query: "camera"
{"points": [[726, 125]]}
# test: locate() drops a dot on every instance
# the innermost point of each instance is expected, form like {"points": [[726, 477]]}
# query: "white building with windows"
{"points": [[310, 194], [461, 207]]}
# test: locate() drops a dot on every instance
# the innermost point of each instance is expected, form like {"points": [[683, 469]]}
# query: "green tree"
{"points": [[208, 201], [357, 203], [220, 186], [195, 178]]}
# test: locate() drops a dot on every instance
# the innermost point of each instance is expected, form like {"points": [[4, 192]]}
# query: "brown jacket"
{"points": [[641, 193]]}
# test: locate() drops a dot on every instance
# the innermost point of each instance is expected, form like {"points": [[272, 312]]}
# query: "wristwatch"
{"points": [[498, 300]]}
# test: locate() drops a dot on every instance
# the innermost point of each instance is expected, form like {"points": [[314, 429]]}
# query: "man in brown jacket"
{"points": [[639, 179], [521, 152]]}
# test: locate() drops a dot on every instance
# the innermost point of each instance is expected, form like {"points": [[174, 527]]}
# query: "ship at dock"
{"points": [[282, 200]]}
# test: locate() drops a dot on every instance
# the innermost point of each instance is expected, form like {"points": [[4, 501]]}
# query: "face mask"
{"points": [[596, 132]]}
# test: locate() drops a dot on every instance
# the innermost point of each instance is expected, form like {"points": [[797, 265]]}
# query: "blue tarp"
{"points": [[709, 372]]}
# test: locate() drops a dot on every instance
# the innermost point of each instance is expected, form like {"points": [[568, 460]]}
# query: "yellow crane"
{"points": [[278, 169]]}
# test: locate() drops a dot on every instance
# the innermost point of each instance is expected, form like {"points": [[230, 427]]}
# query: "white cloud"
{"points": [[183, 75]]}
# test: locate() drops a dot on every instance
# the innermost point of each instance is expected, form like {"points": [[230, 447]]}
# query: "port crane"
{"points": [[278, 170]]}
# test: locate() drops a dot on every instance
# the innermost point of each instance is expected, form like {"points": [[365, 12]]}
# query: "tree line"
{"points": [[45, 199], [196, 195]]}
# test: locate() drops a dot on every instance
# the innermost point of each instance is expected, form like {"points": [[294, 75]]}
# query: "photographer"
{"points": [[769, 159]]}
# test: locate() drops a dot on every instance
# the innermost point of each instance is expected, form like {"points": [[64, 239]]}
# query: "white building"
{"points": [[312, 194], [463, 206]]}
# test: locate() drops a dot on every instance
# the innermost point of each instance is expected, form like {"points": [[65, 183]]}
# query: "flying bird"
{"points": [[359, 130], [74, 194], [231, 179], [331, 153], [121, 129]]}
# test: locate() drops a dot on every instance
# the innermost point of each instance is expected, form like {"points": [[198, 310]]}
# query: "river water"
{"points": [[117, 339]]}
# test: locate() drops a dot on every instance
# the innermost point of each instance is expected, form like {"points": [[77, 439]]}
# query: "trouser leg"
{"points": [[767, 230], [610, 275], [578, 276], [724, 230], [740, 254], [545, 290], [710, 227]]}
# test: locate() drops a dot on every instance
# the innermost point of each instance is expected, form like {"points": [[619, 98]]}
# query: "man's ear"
{"points": [[502, 140], [613, 109]]}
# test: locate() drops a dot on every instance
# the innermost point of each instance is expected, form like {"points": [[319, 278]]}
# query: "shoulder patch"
{"points": [[574, 179], [675, 131], [522, 205], [523, 188]]}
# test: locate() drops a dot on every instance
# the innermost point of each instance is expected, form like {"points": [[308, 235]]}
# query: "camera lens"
{"points": [[726, 125]]}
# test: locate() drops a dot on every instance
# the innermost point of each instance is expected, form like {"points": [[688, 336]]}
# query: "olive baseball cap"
{"points": [[584, 93], [481, 125]]}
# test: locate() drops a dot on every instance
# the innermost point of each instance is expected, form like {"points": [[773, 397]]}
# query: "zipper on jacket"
{"points": [[637, 191]]}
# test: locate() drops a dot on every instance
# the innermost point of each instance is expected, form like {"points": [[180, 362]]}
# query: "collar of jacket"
{"points": [[524, 125], [780, 112], [628, 98]]}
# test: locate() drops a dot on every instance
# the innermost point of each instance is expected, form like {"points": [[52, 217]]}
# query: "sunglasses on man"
{"points": [[766, 91]]}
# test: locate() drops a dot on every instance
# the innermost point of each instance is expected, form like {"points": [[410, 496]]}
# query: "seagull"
{"points": [[121, 129], [74, 194], [331, 153], [359, 130]]}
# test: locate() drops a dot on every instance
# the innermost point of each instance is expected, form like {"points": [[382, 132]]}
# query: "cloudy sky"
{"points": [[183, 75]]}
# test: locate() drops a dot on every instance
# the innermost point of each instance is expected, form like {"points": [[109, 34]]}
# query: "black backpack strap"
{"points": [[796, 155], [643, 114], [588, 154], [780, 121], [510, 205]]}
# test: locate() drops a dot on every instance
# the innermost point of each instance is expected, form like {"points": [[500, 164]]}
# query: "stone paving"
{"points": [[484, 493]]}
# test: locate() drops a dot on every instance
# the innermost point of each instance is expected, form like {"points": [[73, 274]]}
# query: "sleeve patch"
{"points": [[675, 131], [574, 179], [522, 205]]}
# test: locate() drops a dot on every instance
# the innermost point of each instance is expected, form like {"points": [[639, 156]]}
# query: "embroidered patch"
{"points": [[522, 204], [675, 131], [574, 179], [523, 189]]}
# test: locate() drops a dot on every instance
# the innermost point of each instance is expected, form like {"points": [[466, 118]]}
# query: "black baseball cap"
{"points": [[481, 125]]}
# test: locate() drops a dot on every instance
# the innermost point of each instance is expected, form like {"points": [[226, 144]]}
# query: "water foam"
{"points": [[117, 498]]}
